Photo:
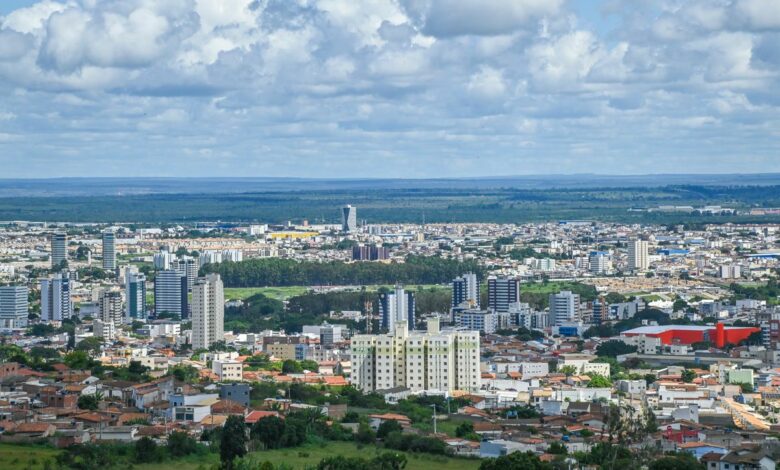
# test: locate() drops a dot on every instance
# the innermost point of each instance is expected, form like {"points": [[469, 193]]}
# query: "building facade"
{"points": [[465, 289], [564, 308], [109, 250], [637, 255], [397, 305], [208, 311], [59, 249], [349, 219], [170, 294], [502, 292], [135, 294], [14, 306], [56, 301]]}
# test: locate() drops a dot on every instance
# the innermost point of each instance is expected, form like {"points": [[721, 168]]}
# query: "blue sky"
{"points": [[400, 88]]}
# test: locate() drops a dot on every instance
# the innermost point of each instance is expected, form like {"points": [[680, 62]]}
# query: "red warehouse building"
{"points": [[719, 335]]}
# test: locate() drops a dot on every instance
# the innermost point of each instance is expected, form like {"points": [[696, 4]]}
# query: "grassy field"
{"points": [[310, 455], [13, 456]]}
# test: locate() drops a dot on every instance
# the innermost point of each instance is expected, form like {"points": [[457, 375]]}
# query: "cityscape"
{"points": [[389, 235]]}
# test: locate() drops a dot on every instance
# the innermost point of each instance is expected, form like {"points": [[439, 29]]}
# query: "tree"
{"points": [[365, 435], [688, 375], [291, 367], [614, 348], [233, 442], [78, 360], [464, 429], [146, 450], [388, 426], [269, 431], [680, 305], [90, 345], [599, 381], [557, 448], [515, 461], [88, 402], [681, 461], [181, 444], [568, 370]]}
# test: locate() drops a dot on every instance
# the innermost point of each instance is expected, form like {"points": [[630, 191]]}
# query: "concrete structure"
{"points": [[135, 295], [485, 321], [163, 260], [105, 330], [232, 371], [208, 311], [111, 307], [56, 301], [719, 335], [187, 266], [109, 250], [59, 249], [170, 294], [14, 306], [434, 360]]}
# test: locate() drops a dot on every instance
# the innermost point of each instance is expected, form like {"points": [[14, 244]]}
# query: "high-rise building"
{"points": [[208, 311], [14, 306], [163, 260], [109, 250], [502, 291], [349, 219], [111, 307], [170, 294], [188, 267], [56, 302], [397, 305], [637, 255], [369, 253], [564, 308], [599, 262], [485, 321], [433, 360], [59, 249], [465, 289], [135, 293]]}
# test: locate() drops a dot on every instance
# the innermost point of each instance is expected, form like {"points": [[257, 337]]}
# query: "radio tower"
{"points": [[368, 309]]}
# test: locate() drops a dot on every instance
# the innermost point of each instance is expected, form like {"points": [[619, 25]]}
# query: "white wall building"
{"points": [[208, 311], [637, 255]]}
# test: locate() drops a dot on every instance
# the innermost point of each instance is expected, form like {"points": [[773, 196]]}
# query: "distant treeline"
{"points": [[274, 272]]}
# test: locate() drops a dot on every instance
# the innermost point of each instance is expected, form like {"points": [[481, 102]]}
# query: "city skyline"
{"points": [[400, 89]]}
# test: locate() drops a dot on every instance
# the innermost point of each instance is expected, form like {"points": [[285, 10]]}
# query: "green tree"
{"points": [[365, 435], [688, 375], [599, 381], [78, 360], [269, 431], [233, 442], [146, 450], [515, 461], [181, 444], [387, 427], [91, 345], [614, 348], [88, 402], [464, 429], [568, 370], [557, 448], [291, 367]]}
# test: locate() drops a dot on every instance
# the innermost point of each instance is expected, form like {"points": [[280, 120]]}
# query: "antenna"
{"points": [[368, 309]]}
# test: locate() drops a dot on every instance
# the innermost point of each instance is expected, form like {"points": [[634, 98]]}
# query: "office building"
{"points": [[465, 289], [14, 306], [637, 255], [111, 307], [485, 321], [135, 294], [349, 219], [59, 249], [502, 291], [564, 308], [170, 294], [208, 311], [109, 250], [397, 305], [163, 260], [56, 302], [433, 360]]}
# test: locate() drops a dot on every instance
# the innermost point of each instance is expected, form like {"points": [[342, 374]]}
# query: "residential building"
{"points": [[369, 253], [105, 330], [13, 306], [397, 305], [564, 308], [56, 301], [111, 307], [170, 294], [599, 262], [229, 370], [109, 250], [502, 292], [135, 294], [465, 289], [485, 321], [59, 249], [637, 255], [187, 267], [433, 360], [208, 311], [163, 260]]}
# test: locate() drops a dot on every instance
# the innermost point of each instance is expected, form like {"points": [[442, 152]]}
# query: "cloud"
{"points": [[391, 87]]}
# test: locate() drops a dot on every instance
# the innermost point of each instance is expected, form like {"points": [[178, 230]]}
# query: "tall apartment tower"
{"points": [[637, 255], [163, 260], [502, 292], [111, 307], [432, 360], [56, 302], [109, 250], [598, 262], [170, 294], [564, 308], [349, 219], [59, 248], [208, 311], [465, 289], [188, 267], [14, 306], [397, 306], [135, 293]]}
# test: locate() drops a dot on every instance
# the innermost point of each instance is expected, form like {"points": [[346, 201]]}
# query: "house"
{"points": [[34, 430], [700, 449], [256, 415], [191, 407], [741, 459], [237, 392], [377, 420], [117, 433]]}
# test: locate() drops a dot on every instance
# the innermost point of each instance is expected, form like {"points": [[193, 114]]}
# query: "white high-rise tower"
{"points": [[637, 255], [208, 311]]}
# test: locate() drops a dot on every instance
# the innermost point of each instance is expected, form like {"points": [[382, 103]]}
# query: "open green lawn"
{"points": [[310, 455], [14, 456]]}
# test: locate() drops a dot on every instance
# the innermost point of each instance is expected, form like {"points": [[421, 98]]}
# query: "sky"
{"points": [[388, 88]]}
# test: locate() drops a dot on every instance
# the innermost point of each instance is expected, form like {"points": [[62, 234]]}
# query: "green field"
{"points": [[14, 456], [310, 455]]}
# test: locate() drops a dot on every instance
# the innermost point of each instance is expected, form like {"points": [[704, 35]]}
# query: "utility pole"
{"points": [[434, 419]]}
